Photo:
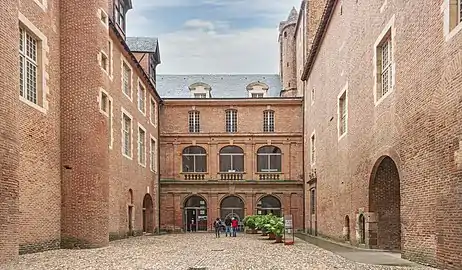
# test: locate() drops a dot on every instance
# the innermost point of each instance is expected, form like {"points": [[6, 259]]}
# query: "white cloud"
{"points": [[199, 24]]}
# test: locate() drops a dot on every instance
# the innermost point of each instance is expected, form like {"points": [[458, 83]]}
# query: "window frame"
{"points": [[231, 121], [127, 67], [232, 156], [153, 110], [183, 154], [141, 87], [313, 149], [130, 134], [141, 156], [268, 160], [24, 49], [194, 121], [342, 112], [119, 5], [153, 154], [268, 121]]}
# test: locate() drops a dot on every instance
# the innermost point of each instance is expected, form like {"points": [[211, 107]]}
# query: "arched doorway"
{"points": [[232, 207], [269, 205], [195, 214], [384, 202], [346, 228], [148, 214]]}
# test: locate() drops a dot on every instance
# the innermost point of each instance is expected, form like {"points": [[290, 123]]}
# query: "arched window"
{"points": [[194, 159], [268, 121], [285, 34], [269, 204], [269, 159], [200, 90], [231, 159]]}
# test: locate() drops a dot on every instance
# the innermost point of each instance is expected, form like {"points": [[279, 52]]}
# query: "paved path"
{"points": [[194, 251]]}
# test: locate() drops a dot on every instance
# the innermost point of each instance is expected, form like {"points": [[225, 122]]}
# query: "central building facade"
{"points": [[231, 148]]}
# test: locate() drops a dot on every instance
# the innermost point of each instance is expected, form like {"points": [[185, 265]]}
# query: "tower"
{"points": [[287, 60], [84, 151], [9, 146]]}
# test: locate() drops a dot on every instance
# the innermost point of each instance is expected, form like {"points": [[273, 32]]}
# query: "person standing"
{"points": [[234, 224], [228, 227], [217, 225]]}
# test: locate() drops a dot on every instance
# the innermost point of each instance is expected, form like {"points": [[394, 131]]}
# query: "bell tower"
{"points": [[287, 53]]}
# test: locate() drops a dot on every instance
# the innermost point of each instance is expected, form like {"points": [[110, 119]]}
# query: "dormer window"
{"points": [[200, 90], [257, 90], [120, 10]]}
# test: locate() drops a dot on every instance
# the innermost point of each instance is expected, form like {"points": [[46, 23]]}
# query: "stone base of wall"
{"points": [[113, 236], [75, 243], [39, 246], [419, 256]]}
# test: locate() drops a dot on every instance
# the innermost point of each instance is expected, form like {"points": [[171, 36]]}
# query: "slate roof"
{"points": [[223, 86], [142, 44]]}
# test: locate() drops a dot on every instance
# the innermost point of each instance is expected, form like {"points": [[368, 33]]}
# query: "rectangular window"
{"points": [[141, 98], [153, 154], [313, 149], [141, 146], [104, 102], [194, 124], [384, 55], [313, 201], [109, 126], [126, 80], [104, 62], [231, 121], [109, 44], [200, 95], [268, 121], [342, 103], [153, 112], [312, 95], [127, 135], [28, 66], [257, 95], [119, 13]]}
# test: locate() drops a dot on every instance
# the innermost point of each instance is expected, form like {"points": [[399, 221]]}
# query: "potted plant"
{"points": [[269, 226], [277, 229], [249, 222]]}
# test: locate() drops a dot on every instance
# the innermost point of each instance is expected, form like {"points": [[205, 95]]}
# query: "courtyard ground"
{"points": [[195, 251]]}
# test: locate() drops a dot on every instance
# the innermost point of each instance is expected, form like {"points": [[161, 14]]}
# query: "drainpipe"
{"points": [[158, 166], [303, 158]]}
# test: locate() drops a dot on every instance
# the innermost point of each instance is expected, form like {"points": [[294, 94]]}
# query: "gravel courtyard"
{"points": [[191, 251]]}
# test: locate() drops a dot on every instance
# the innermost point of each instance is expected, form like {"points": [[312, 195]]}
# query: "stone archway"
{"points": [[232, 207], [148, 214], [384, 206]]}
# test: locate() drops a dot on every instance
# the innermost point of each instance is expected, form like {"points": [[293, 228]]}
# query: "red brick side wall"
{"points": [[9, 139], [417, 125]]}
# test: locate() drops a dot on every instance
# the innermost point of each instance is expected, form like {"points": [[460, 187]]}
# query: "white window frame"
{"points": [[196, 121], [232, 123], [446, 10], [153, 154], [269, 121], [143, 164], [43, 4], [153, 110], [344, 91], [105, 68], [42, 63], [200, 95], [313, 149], [126, 113], [388, 32], [110, 56], [100, 101], [103, 14], [140, 84], [130, 83]]}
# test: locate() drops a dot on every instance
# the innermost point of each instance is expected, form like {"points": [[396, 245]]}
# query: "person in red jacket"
{"points": [[234, 224]]}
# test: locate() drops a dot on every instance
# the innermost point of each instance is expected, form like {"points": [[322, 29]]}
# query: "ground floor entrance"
{"points": [[195, 215]]}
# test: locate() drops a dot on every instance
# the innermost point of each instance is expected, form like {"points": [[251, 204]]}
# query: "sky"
{"points": [[212, 36]]}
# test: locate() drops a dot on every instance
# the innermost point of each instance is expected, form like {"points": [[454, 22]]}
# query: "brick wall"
{"points": [[416, 125], [288, 56], [9, 148]]}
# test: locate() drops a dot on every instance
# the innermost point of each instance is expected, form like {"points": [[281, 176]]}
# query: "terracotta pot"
{"points": [[272, 236], [253, 231], [278, 239]]}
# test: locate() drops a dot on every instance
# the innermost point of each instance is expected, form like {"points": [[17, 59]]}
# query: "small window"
{"points": [[285, 34], [153, 112], [141, 98], [126, 80], [104, 102], [127, 135], [313, 149], [200, 95], [194, 124], [268, 121], [231, 121], [342, 118], [141, 146], [287, 64], [104, 62], [103, 17], [455, 13], [257, 95]]}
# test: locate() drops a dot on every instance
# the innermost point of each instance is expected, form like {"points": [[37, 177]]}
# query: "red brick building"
{"points": [[79, 140], [230, 148], [382, 125]]}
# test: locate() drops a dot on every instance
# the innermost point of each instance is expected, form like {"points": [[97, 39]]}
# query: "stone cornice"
{"points": [[233, 101]]}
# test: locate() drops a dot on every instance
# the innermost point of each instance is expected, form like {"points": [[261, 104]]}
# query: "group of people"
{"points": [[230, 226]]}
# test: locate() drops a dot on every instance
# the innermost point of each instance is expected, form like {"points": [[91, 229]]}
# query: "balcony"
{"points": [[232, 176], [270, 176], [198, 176]]}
